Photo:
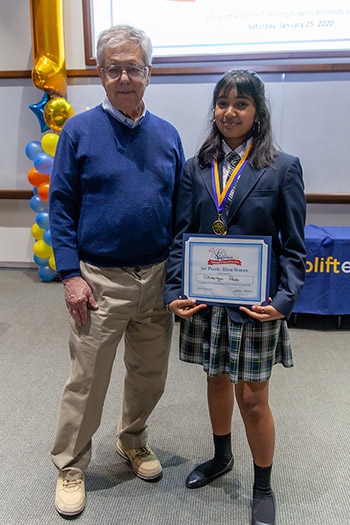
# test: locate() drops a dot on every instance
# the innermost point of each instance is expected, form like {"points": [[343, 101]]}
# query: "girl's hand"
{"points": [[185, 308], [263, 313]]}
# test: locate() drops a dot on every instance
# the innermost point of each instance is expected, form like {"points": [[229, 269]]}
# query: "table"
{"points": [[327, 285]]}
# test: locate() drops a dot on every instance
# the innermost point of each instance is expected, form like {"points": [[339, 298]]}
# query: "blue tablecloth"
{"points": [[327, 286]]}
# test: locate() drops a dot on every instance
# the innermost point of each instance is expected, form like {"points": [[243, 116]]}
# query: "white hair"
{"points": [[120, 35]]}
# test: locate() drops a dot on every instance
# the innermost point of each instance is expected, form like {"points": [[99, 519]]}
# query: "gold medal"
{"points": [[219, 226], [221, 198]]}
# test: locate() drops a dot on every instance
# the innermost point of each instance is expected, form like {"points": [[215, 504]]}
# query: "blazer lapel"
{"points": [[207, 179], [248, 180]]}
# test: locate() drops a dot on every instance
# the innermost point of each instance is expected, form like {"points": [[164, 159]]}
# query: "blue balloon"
{"points": [[38, 205], [42, 220], [46, 273], [38, 110], [40, 261], [47, 237], [33, 148], [43, 163], [35, 190]]}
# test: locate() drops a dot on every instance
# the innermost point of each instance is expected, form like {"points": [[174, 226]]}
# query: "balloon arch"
{"points": [[48, 74]]}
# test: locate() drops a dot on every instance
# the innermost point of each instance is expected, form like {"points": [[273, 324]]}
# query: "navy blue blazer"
{"points": [[268, 201]]}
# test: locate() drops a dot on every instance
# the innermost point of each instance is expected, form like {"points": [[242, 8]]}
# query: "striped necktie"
{"points": [[233, 159]]}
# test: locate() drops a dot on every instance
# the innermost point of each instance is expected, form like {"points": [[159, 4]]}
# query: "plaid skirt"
{"points": [[244, 351]]}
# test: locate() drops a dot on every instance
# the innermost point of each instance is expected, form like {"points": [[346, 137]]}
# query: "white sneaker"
{"points": [[144, 462], [70, 496]]}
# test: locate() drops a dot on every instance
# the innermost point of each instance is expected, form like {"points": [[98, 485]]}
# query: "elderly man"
{"points": [[115, 179]]}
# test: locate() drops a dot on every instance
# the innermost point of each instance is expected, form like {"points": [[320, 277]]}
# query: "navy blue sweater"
{"points": [[112, 191]]}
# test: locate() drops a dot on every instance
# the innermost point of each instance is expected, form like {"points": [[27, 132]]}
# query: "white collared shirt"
{"points": [[108, 106], [226, 164]]}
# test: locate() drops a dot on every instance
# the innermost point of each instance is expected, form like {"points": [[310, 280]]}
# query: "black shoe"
{"points": [[198, 479], [264, 509]]}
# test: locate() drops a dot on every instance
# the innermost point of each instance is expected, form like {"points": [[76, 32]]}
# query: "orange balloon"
{"points": [[56, 112], [49, 63], [43, 191], [36, 178]]}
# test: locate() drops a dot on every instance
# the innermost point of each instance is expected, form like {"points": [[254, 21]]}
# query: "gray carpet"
{"points": [[310, 404]]}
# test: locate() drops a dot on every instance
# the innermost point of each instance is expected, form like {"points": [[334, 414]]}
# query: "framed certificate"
{"points": [[226, 269]]}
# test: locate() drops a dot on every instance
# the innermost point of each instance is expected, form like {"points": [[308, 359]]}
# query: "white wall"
{"points": [[16, 216], [16, 38]]}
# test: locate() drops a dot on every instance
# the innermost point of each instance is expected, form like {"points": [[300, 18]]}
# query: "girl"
{"points": [[239, 345]]}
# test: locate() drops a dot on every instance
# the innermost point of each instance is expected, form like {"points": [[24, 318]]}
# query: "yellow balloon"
{"points": [[37, 232], [52, 262], [49, 143], [56, 112], [49, 63], [42, 250]]}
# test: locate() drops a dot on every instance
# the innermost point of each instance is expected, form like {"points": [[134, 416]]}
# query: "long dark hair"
{"points": [[247, 83]]}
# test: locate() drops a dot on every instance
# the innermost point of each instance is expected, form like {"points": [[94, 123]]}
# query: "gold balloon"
{"points": [[41, 249], [56, 112], [49, 143], [37, 232], [49, 63], [52, 262]]}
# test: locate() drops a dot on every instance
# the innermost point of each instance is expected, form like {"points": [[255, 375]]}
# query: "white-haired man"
{"points": [[115, 179]]}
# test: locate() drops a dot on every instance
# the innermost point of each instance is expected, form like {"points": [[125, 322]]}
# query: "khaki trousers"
{"points": [[131, 304]]}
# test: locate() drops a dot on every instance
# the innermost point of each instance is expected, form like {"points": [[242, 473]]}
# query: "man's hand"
{"points": [[185, 308], [78, 296]]}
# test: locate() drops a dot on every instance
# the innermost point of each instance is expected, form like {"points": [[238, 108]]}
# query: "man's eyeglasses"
{"points": [[115, 72]]}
